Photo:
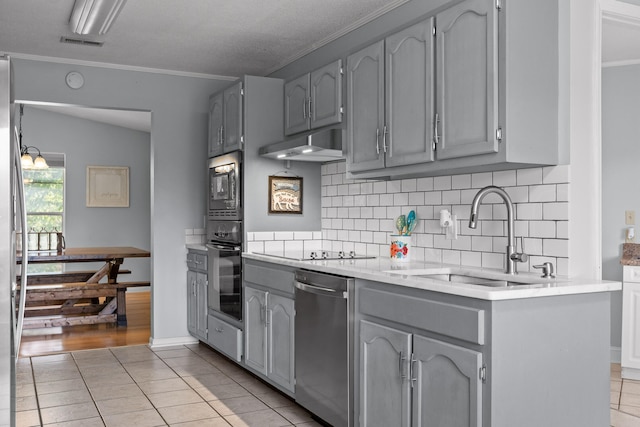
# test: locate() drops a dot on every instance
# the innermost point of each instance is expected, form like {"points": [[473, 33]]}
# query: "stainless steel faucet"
{"points": [[512, 255]]}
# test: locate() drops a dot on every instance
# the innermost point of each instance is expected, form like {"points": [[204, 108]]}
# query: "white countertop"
{"points": [[197, 246], [382, 270]]}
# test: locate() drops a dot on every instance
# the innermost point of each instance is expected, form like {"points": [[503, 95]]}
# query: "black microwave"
{"points": [[225, 187]]}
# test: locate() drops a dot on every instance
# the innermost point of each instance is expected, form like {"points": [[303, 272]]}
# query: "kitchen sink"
{"points": [[489, 280]]}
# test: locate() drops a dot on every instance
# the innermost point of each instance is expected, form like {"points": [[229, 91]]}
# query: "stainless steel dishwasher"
{"points": [[324, 346]]}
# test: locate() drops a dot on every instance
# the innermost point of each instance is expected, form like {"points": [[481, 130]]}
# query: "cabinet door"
{"points": [[255, 329], [410, 98], [296, 105], [215, 124], [466, 44], [201, 305], [280, 339], [326, 95], [232, 128], [365, 108], [192, 278], [447, 390], [384, 369], [631, 325]]}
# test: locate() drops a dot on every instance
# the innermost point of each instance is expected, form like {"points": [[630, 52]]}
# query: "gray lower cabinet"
{"points": [[197, 294], [410, 380], [269, 315]]}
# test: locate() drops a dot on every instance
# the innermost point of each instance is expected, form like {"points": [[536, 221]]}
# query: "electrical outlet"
{"points": [[630, 217]]}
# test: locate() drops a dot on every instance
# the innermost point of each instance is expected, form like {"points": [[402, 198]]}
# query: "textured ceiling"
{"points": [[215, 37]]}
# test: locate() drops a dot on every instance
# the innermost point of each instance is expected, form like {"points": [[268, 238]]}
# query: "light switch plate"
{"points": [[630, 217]]}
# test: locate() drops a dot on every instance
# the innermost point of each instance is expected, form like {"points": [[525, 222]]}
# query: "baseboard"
{"points": [[155, 343], [616, 355]]}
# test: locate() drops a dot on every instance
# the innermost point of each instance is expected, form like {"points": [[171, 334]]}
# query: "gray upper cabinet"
{"points": [[466, 90], [232, 127], [467, 82], [216, 107], [225, 120], [390, 101], [314, 99], [409, 97], [365, 108], [296, 104]]}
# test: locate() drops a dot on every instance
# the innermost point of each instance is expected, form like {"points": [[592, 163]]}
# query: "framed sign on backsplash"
{"points": [[285, 195]]}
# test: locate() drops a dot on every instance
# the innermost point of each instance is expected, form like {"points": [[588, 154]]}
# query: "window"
{"points": [[44, 196]]}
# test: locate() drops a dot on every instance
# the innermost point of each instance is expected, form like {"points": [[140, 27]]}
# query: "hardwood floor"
{"points": [[38, 342]]}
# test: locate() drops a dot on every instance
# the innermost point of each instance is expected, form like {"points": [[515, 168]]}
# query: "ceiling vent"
{"points": [[82, 42]]}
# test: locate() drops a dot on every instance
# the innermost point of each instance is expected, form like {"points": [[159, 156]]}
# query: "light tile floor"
{"points": [[136, 386], [625, 400], [182, 386]]}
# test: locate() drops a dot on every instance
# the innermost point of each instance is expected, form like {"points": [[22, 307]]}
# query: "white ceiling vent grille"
{"points": [[81, 42]]}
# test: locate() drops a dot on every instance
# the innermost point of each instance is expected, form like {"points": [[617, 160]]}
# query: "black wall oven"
{"points": [[224, 236], [224, 267]]}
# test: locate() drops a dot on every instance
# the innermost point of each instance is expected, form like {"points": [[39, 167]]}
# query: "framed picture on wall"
{"points": [[107, 187], [285, 195]]}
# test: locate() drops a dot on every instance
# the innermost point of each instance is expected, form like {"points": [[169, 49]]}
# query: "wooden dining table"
{"points": [[72, 289]]}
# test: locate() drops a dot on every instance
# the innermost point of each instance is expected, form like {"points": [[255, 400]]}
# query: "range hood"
{"points": [[320, 146]]}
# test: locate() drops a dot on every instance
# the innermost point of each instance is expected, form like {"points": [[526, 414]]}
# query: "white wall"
{"points": [[88, 143], [178, 135], [620, 161]]}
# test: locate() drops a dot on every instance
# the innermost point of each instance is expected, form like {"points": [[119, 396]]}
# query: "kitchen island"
{"points": [[517, 350]]}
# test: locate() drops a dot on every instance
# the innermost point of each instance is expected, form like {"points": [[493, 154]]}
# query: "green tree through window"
{"points": [[44, 196]]}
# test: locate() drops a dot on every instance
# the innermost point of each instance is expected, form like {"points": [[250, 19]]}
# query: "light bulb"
{"points": [[40, 163], [27, 161]]}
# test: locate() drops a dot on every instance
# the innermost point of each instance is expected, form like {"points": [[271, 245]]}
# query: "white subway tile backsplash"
{"points": [[294, 245], [459, 182], [416, 198], [274, 246], [504, 178], [556, 211], [442, 183], [529, 176], [480, 180], [362, 213], [283, 235], [263, 235], [530, 211], [555, 174], [408, 185], [424, 184]]}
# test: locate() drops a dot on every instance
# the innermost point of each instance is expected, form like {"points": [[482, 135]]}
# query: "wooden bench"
{"points": [[66, 277], [66, 304]]}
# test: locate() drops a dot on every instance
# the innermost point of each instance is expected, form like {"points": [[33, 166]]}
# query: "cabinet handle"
{"points": [[221, 135], [262, 314], [310, 102], [267, 316], [304, 108], [220, 330], [384, 138], [193, 287], [436, 137], [412, 370], [401, 360], [378, 141]]}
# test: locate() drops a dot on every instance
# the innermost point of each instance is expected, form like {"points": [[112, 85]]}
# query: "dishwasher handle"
{"points": [[320, 290]]}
